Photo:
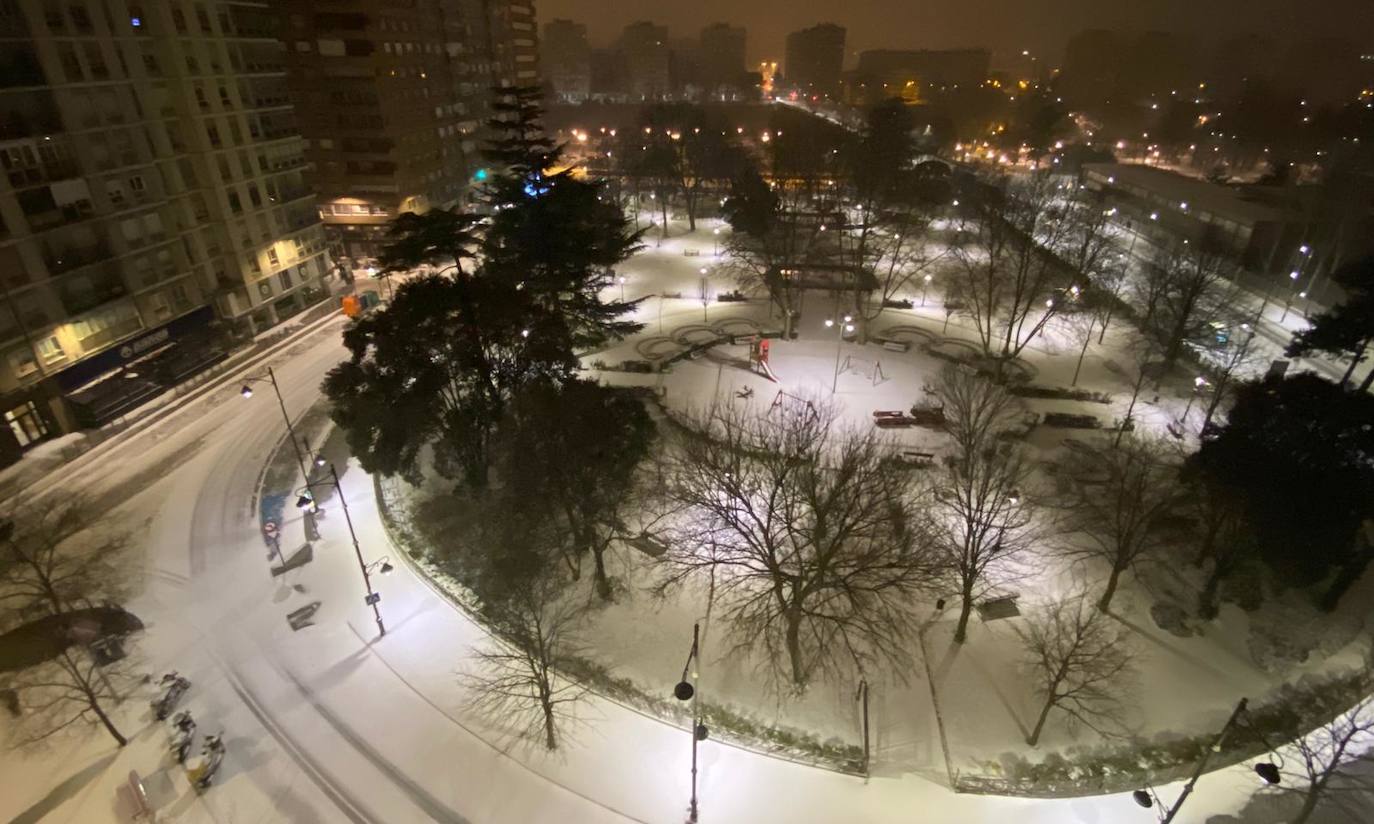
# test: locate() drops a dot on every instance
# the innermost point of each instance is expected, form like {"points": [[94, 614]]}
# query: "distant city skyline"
{"points": [[1040, 26]]}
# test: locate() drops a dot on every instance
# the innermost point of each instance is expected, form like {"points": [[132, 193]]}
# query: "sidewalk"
{"points": [[74, 451]]}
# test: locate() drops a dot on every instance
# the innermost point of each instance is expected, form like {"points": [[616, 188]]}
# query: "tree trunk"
{"points": [[1309, 805], [109, 725], [603, 583], [965, 608], [1034, 737], [1207, 601], [690, 197], [1112, 581], [794, 652], [550, 739], [1355, 358], [1081, 353]]}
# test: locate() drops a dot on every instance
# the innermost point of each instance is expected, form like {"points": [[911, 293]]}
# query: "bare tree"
{"points": [[514, 681], [1120, 500], [898, 253], [1008, 274], [806, 531], [1325, 756], [983, 521], [43, 561], [1222, 537], [68, 690], [977, 411], [1192, 281], [1081, 665]]}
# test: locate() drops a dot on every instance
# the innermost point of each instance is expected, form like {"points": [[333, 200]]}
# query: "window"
{"points": [[26, 423], [22, 362], [212, 132], [235, 205], [284, 278], [114, 190], [71, 66], [331, 48], [265, 289], [254, 196], [50, 350], [302, 45], [272, 256], [136, 183]]}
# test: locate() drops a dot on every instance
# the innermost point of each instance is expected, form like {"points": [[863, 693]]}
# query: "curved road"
{"points": [[331, 724]]}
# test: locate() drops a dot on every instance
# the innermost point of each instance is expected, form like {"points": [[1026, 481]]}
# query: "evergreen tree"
{"points": [[1346, 330]]}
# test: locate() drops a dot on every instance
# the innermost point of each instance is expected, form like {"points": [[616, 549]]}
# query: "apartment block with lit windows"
{"points": [[393, 97], [153, 198]]}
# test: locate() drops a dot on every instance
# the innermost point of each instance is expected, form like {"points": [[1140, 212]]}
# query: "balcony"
{"points": [[110, 333], [74, 257], [84, 300]]}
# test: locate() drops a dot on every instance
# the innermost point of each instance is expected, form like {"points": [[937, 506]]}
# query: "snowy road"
{"points": [[329, 723]]}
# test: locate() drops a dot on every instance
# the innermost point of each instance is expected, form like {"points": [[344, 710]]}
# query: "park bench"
{"points": [[911, 457], [691, 252], [1000, 606], [896, 345]]}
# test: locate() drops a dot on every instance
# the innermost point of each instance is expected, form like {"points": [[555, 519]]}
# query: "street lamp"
{"points": [[622, 288], [383, 565], [1267, 771], [847, 326], [1198, 383], [247, 392], [686, 691], [715, 243], [924, 290]]}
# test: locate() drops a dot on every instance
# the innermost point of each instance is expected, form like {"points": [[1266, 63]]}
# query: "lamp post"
{"points": [[686, 691], [924, 289], [1198, 383], [1147, 798], [715, 242], [306, 501], [247, 392], [847, 326], [622, 288]]}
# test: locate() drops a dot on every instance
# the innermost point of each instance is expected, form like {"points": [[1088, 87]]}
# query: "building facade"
{"points": [[154, 182], [392, 98], [644, 47], [916, 75], [722, 60], [566, 59], [814, 59]]}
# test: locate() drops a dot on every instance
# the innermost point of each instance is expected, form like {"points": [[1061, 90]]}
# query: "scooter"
{"points": [[173, 685], [201, 769], [183, 733]]}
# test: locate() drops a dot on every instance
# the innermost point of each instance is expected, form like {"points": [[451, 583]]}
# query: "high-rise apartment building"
{"points": [[722, 58], [153, 181], [566, 60], [645, 50], [914, 75], [814, 59], [392, 97]]}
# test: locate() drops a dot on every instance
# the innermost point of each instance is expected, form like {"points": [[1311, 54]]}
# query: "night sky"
{"points": [[1004, 26]]}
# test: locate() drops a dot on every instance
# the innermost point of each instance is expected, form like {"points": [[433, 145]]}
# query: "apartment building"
{"points": [[392, 98], [153, 197]]}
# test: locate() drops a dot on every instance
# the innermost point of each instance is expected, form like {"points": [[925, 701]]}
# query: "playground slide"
{"points": [[768, 372]]}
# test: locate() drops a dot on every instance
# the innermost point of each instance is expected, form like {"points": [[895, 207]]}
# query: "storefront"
{"points": [[105, 386]]}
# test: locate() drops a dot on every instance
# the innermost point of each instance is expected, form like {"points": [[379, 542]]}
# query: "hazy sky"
{"points": [[1004, 26]]}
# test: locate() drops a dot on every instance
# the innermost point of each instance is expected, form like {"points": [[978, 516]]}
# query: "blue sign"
{"points": [[83, 372]]}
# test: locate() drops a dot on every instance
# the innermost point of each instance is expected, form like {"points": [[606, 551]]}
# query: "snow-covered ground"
{"points": [[330, 723]]}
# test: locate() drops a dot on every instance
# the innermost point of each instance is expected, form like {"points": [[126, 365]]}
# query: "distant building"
{"points": [[567, 60], [684, 68], [645, 50], [407, 137], [1101, 65], [814, 59], [608, 75], [722, 59], [913, 75]]}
